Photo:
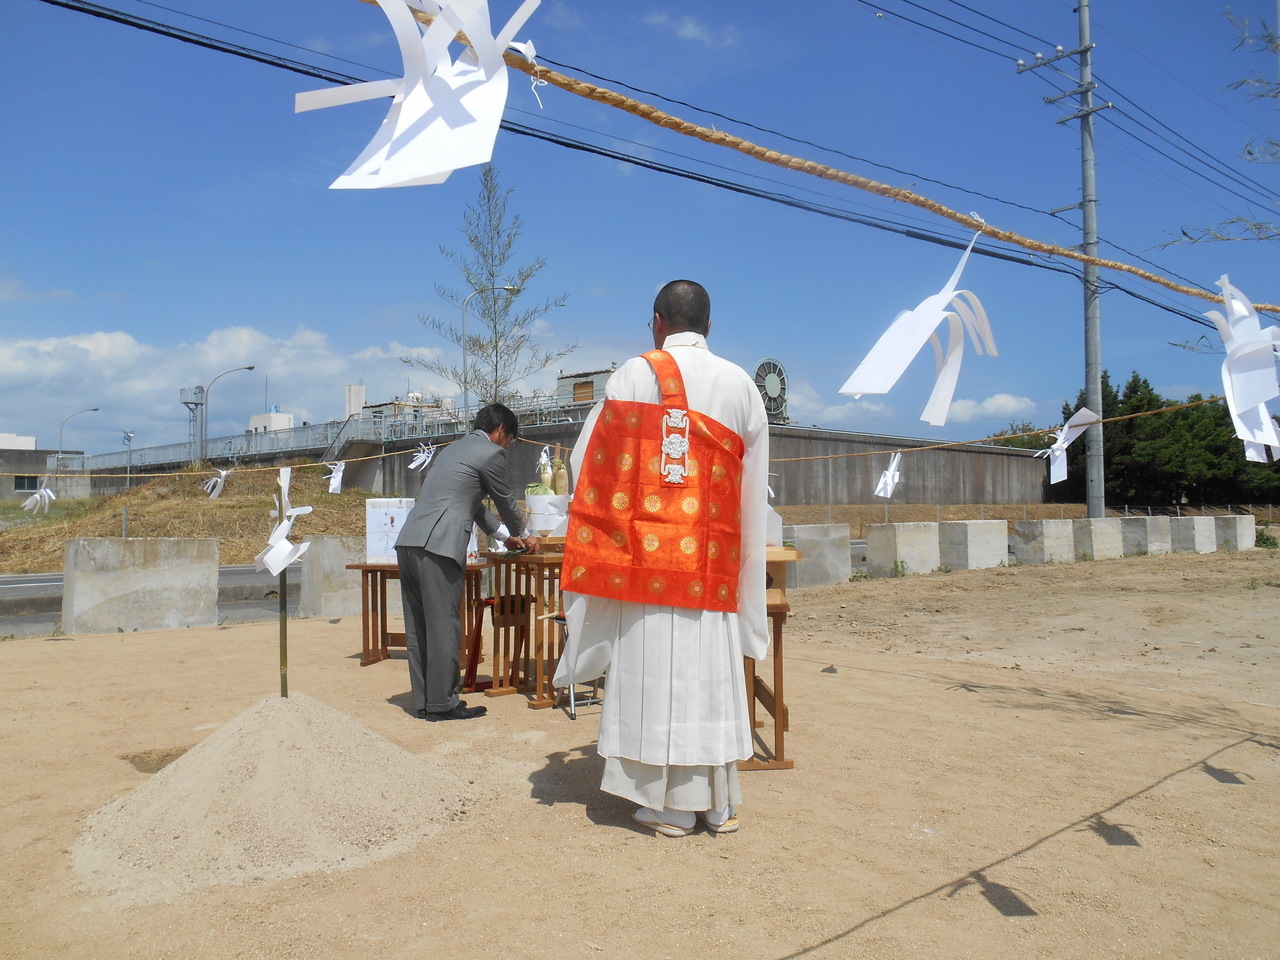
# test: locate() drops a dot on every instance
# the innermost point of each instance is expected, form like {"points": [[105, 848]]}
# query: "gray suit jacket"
{"points": [[449, 504]]}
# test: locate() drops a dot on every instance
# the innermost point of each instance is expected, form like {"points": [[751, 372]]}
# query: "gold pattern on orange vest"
{"points": [[591, 495], [696, 588], [655, 464], [657, 585], [651, 542], [608, 415], [620, 501], [598, 456], [585, 534], [718, 473], [690, 505], [723, 591], [714, 509], [617, 580], [633, 420], [672, 385], [625, 462], [733, 553], [578, 573], [688, 545], [713, 549], [691, 467], [653, 503], [619, 538]]}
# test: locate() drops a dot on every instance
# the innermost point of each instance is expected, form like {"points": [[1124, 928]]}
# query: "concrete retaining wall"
{"points": [[826, 554], [1145, 535], [327, 588], [1193, 534], [114, 584], [972, 544], [898, 548], [1235, 532], [1098, 539], [1043, 541]]}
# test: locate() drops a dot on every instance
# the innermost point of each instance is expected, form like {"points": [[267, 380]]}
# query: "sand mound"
{"points": [[290, 786]]}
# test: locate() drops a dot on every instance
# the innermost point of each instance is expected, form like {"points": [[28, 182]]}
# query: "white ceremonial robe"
{"points": [[674, 720]]}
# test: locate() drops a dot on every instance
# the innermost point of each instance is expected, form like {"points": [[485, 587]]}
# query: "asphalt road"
{"points": [[31, 603]]}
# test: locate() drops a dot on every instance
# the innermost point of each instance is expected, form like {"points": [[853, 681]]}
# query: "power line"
{"points": [[1007, 26], [880, 11], [1219, 168], [201, 40], [831, 212], [943, 16], [794, 139], [1205, 157]]}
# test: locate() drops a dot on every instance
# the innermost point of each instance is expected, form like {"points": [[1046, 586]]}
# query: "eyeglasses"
{"points": [[651, 323]]}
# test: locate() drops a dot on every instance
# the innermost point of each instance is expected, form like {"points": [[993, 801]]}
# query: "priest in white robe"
{"points": [[674, 721]]}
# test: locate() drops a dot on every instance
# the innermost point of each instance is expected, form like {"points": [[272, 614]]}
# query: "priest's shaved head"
{"points": [[684, 305]]}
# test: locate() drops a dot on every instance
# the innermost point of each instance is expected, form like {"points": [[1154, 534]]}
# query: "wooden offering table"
{"points": [[771, 698], [376, 638], [526, 642]]}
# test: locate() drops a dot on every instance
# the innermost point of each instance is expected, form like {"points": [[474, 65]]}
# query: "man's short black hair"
{"points": [[684, 305], [496, 415]]}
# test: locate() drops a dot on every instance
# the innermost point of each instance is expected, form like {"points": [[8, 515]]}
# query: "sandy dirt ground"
{"points": [[1064, 761]]}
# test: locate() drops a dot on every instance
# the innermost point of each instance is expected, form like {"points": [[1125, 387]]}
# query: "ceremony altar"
{"points": [[526, 641]]}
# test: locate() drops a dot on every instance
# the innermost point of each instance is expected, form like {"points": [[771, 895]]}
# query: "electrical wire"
{"points": [[786, 200], [1007, 26], [882, 12]]}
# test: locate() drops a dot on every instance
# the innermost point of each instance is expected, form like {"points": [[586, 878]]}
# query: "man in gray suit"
{"points": [[432, 554]]}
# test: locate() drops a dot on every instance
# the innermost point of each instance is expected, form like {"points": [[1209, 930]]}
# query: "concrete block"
{"points": [[826, 554], [1193, 534], [1235, 532], [111, 584], [902, 548], [1145, 535], [972, 544], [326, 587], [1099, 539], [1043, 541]]}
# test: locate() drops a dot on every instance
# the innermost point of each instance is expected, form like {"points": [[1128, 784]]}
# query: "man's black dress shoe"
{"points": [[460, 711]]}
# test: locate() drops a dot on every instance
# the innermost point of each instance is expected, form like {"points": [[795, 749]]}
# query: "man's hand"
{"points": [[533, 544]]}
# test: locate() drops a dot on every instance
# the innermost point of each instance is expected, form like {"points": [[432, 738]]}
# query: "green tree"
{"points": [[1039, 438], [1071, 490], [500, 342], [1134, 474]]}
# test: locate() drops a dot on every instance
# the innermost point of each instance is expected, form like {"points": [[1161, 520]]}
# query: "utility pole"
{"points": [[1095, 468]]}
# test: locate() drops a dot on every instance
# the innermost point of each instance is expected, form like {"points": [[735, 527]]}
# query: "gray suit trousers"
{"points": [[431, 591]]}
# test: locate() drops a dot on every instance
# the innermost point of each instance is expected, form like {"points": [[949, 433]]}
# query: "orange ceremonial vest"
{"points": [[657, 511]]}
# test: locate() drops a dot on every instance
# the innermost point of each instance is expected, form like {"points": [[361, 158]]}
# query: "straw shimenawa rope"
{"points": [[722, 138]]}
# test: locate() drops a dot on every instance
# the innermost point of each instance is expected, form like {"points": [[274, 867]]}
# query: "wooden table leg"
{"points": [[504, 630], [367, 655]]}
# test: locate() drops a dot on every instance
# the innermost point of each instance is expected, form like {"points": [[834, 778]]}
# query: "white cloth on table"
{"points": [[675, 694]]}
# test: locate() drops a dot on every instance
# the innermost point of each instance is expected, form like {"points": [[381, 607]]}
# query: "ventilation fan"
{"points": [[771, 381]]}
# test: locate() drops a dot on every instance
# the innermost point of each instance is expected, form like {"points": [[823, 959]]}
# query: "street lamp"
{"points": [[204, 426], [60, 426], [466, 392], [128, 464]]}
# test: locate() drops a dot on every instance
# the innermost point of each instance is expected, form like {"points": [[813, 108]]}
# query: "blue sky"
{"points": [[166, 215]]}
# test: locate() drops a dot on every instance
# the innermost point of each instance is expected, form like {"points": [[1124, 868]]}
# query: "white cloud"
{"points": [[1001, 406], [806, 406], [137, 385], [687, 28]]}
